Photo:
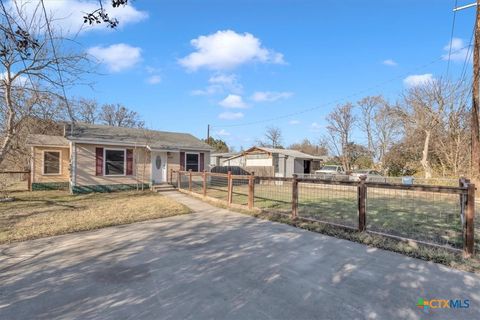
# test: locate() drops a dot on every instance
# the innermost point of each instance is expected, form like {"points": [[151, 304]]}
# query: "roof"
{"points": [[292, 153], [94, 133], [224, 154], [46, 140], [286, 152]]}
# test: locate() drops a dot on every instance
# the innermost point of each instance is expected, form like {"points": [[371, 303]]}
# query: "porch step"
{"points": [[163, 187]]}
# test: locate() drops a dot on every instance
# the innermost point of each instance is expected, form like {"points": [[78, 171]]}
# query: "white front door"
{"points": [[159, 167]]}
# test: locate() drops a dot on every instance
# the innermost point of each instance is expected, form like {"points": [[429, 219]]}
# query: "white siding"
{"points": [[259, 162]]}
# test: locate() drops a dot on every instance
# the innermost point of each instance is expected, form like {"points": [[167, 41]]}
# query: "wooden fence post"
{"points": [[362, 200], [204, 183], [230, 187], [190, 180], [251, 190], [294, 197], [469, 241], [179, 180]]}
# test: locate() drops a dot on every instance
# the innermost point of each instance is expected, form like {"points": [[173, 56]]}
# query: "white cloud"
{"points": [[233, 101], [154, 79], [294, 122], [68, 15], [267, 96], [390, 63], [117, 57], [225, 50], [418, 79], [459, 51], [223, 133], [223, 79], [210, 90], [230, 115], [315, 127], [220, 83], [19, 81]]}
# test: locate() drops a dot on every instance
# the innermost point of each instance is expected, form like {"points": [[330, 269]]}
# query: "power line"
{"points": [[451, 37], [379, 85], [57, 64], [467, 56]]}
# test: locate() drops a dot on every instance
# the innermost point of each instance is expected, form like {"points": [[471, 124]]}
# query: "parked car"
{"points": [[330, 169], [372, 175]]}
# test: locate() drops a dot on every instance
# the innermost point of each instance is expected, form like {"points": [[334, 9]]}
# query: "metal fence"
{"points": [[14, 181], [437, 215], [394, 180]]}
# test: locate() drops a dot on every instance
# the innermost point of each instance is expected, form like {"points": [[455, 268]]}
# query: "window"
{"points": [[192, 161], [51, 162], [114, 162]]}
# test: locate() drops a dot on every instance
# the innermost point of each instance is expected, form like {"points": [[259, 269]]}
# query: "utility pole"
{"points": [[208, 131], [474, 125], [476, 101]]}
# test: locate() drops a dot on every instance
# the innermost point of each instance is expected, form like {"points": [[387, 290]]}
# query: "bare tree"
{"points": [[340, 125], [86, 110], [31, 69], [387, 131], [452, 134], [119, 116], [422, 111], [306, 146], [273, 136], [368, 106]]}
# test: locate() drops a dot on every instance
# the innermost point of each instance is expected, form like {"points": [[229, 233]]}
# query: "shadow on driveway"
{"points": [[219, 264]]}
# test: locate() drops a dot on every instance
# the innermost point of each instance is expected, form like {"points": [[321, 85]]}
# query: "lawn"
{"points": [[46, 213], [423, 216]]}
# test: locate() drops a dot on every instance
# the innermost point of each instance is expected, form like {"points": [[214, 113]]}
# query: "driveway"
{"points": [[216, 264]]}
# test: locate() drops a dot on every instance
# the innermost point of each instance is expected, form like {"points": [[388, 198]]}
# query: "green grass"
{"points": [[422, 216]]}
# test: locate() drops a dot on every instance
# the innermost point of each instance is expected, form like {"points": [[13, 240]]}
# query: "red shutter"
{"points": [[202, 162], [98, 161], [182, 161], [129, 162]]}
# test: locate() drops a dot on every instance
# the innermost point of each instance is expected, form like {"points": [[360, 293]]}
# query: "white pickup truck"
{"points": [[330, 169]]}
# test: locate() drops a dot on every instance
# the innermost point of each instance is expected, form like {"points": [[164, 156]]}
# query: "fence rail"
{"points": [[15, 181], [433, 214], [382, 179]]}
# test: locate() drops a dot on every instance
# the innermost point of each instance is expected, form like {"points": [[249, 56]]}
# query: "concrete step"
{"points": [[163, 188]]}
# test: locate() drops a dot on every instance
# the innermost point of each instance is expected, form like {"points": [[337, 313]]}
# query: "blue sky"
{"points": [[185, 64]]}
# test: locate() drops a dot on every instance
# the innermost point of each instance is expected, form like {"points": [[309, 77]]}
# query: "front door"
{"points": [[306, 166], [159, 167]]}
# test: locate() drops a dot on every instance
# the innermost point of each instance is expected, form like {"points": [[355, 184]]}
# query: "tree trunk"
{"points": [[10, 123], [425, 164]]}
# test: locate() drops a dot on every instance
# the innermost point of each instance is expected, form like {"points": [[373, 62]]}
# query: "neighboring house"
{"points": [[221, 158], [96, 158], [277, 162]]}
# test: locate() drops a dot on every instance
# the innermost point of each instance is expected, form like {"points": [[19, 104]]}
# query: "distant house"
{"points": [[221, 158], [276, 162], [96, 158]]}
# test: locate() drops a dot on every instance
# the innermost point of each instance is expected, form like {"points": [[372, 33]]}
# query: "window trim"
{"points": [[105, 162], [59, 164], [198, 161]]}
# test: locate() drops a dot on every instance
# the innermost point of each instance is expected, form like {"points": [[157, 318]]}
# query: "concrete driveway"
{"points": [[216, 264]]}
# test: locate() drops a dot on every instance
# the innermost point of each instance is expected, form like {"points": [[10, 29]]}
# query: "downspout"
{"points": [[73, 166], [32, 167]]}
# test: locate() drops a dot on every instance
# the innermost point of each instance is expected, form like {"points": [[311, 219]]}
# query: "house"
{"points": [[276, 162], [220, 158], [96, 158]]}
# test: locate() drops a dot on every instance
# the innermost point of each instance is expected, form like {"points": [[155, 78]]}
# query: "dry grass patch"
{"points": [[47, 213]]}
